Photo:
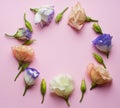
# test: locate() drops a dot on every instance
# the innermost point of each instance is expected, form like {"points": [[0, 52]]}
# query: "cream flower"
{"points": [[98, 74], [62, 86], [78, 17], [23, 53]]}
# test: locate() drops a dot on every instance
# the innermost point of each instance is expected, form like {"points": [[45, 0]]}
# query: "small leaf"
{"points": [[28, 42], [93, 85], [27, 23], [99, 59], [22, 67], [35, 10], [97, 28]]}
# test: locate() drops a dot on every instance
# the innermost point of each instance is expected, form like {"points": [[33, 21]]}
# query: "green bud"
{"points": [[22, 67], [83, 89], [60, 15], [27, 23], [97, 28], [43, 89], [99, 59], [89, 19]]}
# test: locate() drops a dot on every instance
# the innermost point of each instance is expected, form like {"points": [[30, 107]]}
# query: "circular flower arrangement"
{"points": [[62, 85]]}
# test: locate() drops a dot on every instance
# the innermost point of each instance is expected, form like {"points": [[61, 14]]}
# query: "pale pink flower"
{"points": [[98, 74], [77, 17], [23, 53]]}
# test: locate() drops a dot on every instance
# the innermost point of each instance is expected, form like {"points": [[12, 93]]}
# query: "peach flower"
{"points": [[77, 17], [98, 74], [23, 53]]}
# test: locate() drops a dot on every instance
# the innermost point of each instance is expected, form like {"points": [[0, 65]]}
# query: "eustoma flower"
{"points": [[30, 76], [43, 15], [24, 54], [78, 17], [62, 86], [23, 34], [98, 74], [103, 43]]}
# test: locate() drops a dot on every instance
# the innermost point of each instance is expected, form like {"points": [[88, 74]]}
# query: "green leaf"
{"points": [[99, 59], [35, 10], [28, 42], [27, 23]]}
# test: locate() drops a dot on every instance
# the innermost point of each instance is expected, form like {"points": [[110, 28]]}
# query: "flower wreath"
{"points": [[62, 85]]}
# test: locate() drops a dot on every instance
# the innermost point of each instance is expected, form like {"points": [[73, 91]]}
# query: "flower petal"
{"points": [[37, 18]]}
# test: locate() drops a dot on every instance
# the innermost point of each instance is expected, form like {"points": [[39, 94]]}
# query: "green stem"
{"points": [[93, 85], [25, 90], [82, 97], [18, 75], [67, 102], [20, 64], [64, 10], [104, 65], [9, 35], [89, 19], [107, 54], [42, 99]]}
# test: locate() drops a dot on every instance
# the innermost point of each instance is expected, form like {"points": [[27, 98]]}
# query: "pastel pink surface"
{"points": [[59, 49]]}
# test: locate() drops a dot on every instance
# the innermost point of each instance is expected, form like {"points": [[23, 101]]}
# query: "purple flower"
{"points": [[22, 34], [28, 34], [30, 76], [103, 43]]}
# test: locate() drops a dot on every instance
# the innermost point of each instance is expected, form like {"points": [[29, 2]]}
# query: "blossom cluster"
{"points": [[62, 85]]}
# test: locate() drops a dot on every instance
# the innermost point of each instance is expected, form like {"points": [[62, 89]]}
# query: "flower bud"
{"points": [[97, 28], [60, 15], [83, 89], [27, 23], [43, 89], [99, 59]]}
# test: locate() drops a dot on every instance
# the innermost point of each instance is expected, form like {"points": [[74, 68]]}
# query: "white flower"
{"points": [[44, 15], [62, 86], [30, 76]]}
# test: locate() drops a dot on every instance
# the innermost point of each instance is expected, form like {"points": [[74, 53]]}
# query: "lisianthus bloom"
{"points": [[103, 43], [43, 15], [22, 34], [24, 54], [30, 76], [98, 74], [78, 17], [62, 86]]}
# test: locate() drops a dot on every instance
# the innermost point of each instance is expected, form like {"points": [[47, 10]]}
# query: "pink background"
{"points": [[59, 49]]}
